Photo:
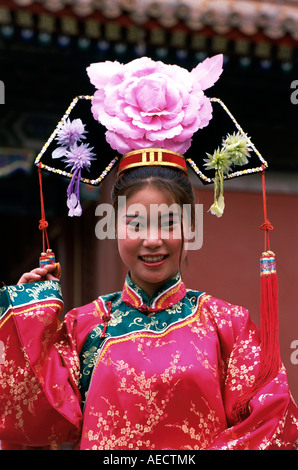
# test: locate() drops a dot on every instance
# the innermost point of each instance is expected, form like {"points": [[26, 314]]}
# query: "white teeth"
{"points": [[152, 259]]}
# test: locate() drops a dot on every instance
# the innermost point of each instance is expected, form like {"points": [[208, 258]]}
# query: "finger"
{"points": [[49, 267], [29, 277], [50, 277], [35, 275], [40, 274], [53, 272]]}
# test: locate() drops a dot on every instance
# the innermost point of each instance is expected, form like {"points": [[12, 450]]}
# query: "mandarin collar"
{"points": [[165, 297]]}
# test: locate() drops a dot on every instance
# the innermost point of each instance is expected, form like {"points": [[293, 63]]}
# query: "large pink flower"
{"points": [[150, 104]]}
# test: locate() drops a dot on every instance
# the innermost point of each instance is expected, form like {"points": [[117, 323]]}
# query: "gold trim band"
{"points": [[152, 157]]}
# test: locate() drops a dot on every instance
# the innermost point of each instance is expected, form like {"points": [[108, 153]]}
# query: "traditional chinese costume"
{"points": [[131, 372]]}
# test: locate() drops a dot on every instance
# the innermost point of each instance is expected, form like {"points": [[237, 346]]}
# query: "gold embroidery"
{"points": [[143, 334], [131, 295], [31, 310], [240, 375], [133, 435], [206, 429], [19, 390], [167, 295], [98, 308]]}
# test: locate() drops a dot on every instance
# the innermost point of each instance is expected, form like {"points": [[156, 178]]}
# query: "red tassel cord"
{"points": [[43, 224], [47, 256], [270, 360], [270, 350]]}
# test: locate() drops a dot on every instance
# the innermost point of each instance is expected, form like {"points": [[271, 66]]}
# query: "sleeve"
{"points": [[272, 422], [39, 367]]}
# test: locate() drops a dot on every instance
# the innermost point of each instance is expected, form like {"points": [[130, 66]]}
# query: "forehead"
{"points": [[150, 194], [149, 202]]}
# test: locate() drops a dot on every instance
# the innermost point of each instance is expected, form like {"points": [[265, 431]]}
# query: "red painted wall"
{"points": [[227, 266]]}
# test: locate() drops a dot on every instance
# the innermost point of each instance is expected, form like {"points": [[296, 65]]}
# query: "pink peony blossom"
{"points": [[150, 104]]}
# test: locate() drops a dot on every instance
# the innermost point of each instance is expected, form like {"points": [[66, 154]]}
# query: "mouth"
{"points": [[153, 259]]}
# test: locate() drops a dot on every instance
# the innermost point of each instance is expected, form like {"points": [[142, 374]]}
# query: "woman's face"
{"points": [[149, 236]]}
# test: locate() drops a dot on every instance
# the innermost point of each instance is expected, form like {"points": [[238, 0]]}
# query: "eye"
{"points": [[167, 223], [134, 223], [170, 222]]}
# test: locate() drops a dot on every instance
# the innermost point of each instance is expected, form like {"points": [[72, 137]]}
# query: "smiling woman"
{"points": [[157, 365], [152, 253], [162, 235]]}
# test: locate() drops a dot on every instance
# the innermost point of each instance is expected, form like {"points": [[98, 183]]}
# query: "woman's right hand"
{"points": [[39, 274]]}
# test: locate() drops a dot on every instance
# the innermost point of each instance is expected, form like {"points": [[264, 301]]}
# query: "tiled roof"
{"points": [[274, 19]]}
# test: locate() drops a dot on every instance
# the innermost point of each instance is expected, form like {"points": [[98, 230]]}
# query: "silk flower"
{"points": [[147, 104]]}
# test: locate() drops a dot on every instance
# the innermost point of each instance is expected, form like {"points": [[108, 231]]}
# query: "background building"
{"points": [[45, 47]]}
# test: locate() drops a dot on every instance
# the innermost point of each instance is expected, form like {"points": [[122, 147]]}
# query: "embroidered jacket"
{"points": [[131, 372]]}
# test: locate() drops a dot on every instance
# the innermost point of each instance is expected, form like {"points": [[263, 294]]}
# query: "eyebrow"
{"points": [[128, 216], [170, 214], [167, 214], [129, 219]]}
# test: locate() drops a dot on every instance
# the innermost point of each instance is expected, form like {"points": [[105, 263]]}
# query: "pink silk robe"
{"points": [[163, 380]]}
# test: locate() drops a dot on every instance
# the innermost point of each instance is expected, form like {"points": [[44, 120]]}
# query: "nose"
{"points": [[152, 239]]}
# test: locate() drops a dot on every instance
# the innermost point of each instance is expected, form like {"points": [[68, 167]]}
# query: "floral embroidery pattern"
{"points": [[205, 429], [152, 387], [151, 403], [22, 389], [152, 392]]}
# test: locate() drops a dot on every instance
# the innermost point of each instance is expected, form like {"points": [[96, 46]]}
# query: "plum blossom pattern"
{"points": [[146, 104]]}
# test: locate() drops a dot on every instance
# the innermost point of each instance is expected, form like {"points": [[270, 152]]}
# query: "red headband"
{"points": [[152, 157]]}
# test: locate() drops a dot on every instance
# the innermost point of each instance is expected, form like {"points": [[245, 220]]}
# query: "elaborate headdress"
{"points": [[151, 113]]}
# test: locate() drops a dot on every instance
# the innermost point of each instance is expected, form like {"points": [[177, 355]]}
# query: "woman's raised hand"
{"points": [[39, 274]]}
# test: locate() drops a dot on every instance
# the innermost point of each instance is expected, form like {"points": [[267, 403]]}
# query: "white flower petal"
{"points": [[59, 152]]}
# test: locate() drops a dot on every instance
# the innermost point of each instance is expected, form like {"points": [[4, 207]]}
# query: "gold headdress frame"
{"points": [[234, 174], [38, 162], [108, 168]]}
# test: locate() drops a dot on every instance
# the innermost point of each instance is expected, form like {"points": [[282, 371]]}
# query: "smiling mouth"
{"points": [[153, 259]]}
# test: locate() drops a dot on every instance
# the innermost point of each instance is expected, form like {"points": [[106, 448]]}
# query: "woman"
{"points": [[155, 366]]}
